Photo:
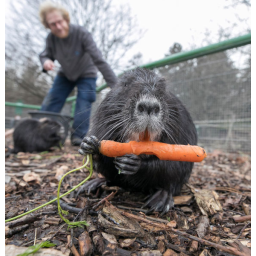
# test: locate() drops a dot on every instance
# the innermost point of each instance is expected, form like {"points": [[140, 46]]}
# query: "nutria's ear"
{"points": [[161, 84], [162, 80]]}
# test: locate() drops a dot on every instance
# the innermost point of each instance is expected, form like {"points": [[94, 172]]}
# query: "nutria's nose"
{"points": [[147, 107]]}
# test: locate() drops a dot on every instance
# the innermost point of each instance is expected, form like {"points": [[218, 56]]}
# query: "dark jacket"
{"points": [[78, 55]]}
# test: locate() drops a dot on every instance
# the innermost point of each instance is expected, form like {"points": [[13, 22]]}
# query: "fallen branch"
{"points": [[227, 249], [242, 218], [72, 248], [242, 230], [108, 198], [129, 208], [10, 232], [24, 220], [85, 244], [233, 190]]}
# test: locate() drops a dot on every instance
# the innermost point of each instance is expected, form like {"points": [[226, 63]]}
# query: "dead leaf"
{"points": [[22, 155], [172, 224], [161, 246], [53, 185], [150, 253], [182, 223], [85, 244], [170, 252], [246, 209], [20, 182], [82, 201], [215, 239], [110, 238], [232, 201], [61, 171], [186, 209], [127, 242], [70, 156], [9, 188], [202, 226], [28, 177], [25, 162], [205, 252], [207, 201], [38, 157]]}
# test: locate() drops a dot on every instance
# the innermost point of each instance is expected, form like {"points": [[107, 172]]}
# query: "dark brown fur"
{"points": [[140, 102], [31, 135]]}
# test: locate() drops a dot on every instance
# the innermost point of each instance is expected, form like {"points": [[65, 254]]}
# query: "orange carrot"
{"points": [[186, 153]]}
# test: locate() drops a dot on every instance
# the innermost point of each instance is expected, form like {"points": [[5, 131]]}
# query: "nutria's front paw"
{"points": [[128, 164], [89, 145]]}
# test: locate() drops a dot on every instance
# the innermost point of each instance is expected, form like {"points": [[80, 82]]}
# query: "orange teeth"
{"points": [[144, 136]]}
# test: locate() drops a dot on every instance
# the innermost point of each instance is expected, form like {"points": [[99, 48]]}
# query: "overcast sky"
{"points": [[182, 21]]}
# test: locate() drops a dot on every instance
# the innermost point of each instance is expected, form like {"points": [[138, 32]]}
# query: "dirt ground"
{"points": [[212, 216]]}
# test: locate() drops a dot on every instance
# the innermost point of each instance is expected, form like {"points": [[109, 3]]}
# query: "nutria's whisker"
{"points": [[139, 107]]}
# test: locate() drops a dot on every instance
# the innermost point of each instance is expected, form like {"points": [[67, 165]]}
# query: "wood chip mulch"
{"points": [[212, 216]]}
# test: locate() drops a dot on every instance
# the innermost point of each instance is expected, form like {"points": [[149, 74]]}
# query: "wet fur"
{"points": [[117, 119], [31, 135]]}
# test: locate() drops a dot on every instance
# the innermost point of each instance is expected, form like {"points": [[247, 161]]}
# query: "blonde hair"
{"points": [[47, 7]]}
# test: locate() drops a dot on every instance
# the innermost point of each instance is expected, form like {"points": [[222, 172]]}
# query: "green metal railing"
{"points": [[21, 105], [175, 58], [210, 49], [183, 56]]}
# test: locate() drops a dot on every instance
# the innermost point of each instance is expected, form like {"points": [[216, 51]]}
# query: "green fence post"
{"points": [[18, 109]]}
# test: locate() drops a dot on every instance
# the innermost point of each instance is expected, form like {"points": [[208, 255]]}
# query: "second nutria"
{"points": [[32, 135]]}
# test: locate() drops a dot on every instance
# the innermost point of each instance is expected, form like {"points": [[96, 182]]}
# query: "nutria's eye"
{"points": [[141, 109], [125, 84]]}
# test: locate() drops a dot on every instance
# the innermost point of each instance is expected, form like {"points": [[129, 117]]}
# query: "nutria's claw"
{"points": [[91, 185], [161, 201], [89, 145], [128, 164]]}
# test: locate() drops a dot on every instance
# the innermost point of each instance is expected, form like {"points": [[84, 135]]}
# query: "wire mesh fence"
{"points": [[216, 89]]}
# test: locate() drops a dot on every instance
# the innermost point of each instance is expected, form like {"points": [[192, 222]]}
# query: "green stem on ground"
{"points": [[78, 223], [89, 158]]}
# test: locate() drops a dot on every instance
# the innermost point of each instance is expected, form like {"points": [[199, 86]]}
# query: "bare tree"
{"points": [[240, 23], [113, 28]]}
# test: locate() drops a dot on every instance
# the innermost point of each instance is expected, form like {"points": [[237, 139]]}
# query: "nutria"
{"points": [[140, 104], [32, 135]]}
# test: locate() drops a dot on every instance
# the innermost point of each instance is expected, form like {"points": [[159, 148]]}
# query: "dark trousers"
{"points": [[86, 95]]}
